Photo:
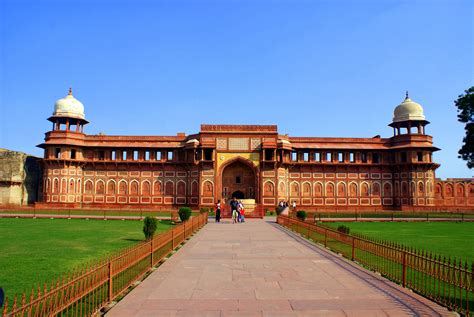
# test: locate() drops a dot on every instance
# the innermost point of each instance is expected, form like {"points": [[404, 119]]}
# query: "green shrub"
{"points": [[301, 215], [149, 227], [184, 213], [343, 229]]}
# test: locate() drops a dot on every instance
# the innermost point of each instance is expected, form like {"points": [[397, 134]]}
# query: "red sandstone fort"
{"points": [[252, 162]]}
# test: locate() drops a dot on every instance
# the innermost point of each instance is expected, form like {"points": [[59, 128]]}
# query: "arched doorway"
{"points": [[239, 180]]}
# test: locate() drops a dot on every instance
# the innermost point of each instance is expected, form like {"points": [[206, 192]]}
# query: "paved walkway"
{"points": [[260, 269]]}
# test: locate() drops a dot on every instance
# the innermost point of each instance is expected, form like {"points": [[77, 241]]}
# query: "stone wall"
{"points": [[20, 176]]}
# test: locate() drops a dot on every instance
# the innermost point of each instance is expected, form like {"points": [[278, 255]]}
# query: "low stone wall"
{"points": [[20, 178]]}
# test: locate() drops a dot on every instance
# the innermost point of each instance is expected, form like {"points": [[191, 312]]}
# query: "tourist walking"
{"points": [[218, 211], [293, 205], [234, 205], [241, 212]]}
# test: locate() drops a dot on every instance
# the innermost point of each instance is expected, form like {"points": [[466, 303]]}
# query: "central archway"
{"points": [[238, 178]]}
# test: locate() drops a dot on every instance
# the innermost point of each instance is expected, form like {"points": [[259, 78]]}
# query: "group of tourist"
{"points": [[284, 203], [237, 210]]}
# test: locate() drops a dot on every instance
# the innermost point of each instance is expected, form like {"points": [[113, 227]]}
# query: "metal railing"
{"points": [[86, 291], [443, 280]]}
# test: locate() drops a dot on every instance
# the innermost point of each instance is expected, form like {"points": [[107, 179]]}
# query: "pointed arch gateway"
{"points": [[238, 176]]}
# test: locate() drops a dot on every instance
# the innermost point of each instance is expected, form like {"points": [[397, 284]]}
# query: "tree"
{"points": [[465, 105], [184, 213], [149, 227]]}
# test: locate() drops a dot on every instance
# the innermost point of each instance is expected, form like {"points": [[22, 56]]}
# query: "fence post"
{"points": [[325, 237], [172, 239], [353, 249], [151, 252], [110, 282], [404, 269]]}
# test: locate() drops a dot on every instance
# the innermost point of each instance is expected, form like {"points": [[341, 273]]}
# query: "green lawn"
{"points": [[454, 239], [39, 250]]}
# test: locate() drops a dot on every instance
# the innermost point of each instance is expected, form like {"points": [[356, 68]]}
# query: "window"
{"points": [[317, 157], [147, 155], [170, 155], [419, 156], [351, 157], [73, 154], [294, 156], [158, 155], [135, 155], [124, 155], [208, 154], [113, 155], [340, 157], [328, 157], [403, 157], [306, 156], [375, 158], [268, 155], [363, 157], [238, 179], [57, 153], [101, 155]]}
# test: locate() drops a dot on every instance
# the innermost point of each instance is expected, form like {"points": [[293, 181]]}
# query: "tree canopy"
{"points": [[465, 105]]}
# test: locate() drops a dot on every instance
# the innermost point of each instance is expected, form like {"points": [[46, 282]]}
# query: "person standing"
{"points": [[218, 211], [241, 212], [293, 205], [234, 204]]}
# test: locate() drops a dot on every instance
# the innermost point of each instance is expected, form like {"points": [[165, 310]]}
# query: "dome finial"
{"points": [[406, 95], [70, 91]]}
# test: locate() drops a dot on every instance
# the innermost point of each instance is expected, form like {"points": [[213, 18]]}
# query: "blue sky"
{"points": [[314, 68]]}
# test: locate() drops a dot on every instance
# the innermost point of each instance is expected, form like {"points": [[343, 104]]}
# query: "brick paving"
{"points": [[260, 269]]}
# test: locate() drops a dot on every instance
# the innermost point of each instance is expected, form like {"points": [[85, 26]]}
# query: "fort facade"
{"points": [[253, 162]]}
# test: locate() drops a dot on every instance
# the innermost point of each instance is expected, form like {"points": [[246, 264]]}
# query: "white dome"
{"points": [[192, 141], [69, 107], [408, 110]]}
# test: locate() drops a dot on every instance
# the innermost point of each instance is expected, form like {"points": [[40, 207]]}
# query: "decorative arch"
{"points": [[100, 187], [364, 189], [376, 189], [63, 185], [318, 189], [438, 191], [352, 189], [449, 190], [294, 189], [306, 189], [421, 188], [387, 189], [412, 188], [459, 190], [404, 189], [122, 187], [72, 186], [252, 189], [397, 189], [55, 185], [88, 187], [471, 190], [134, 186], [269, 188], [48, 185], [111, 187], [330, 189], [341, 189], [281, 188], [208, 188], [157, 188], [146, 188], [194, 188], [78, 187], [181, 188]]}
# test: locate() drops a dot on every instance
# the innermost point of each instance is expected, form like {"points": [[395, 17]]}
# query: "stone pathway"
{"points": [[260, 269]]}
